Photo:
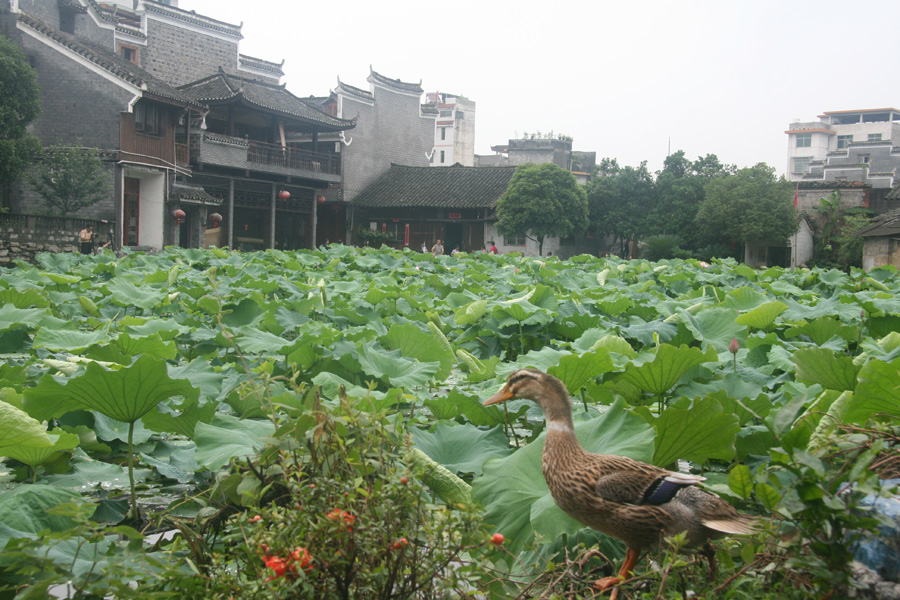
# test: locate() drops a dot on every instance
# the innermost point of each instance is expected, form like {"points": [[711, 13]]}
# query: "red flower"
{"points": [[301, 556], [278, 565], [337, 514]]}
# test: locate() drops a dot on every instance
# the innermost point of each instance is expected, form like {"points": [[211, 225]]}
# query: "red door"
{"points": [[132, 211]]}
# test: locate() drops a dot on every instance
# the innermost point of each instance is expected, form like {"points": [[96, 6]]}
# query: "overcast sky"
{"points": [[625, 79]]}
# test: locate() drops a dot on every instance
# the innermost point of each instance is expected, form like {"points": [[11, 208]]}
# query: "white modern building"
{"points": [[846, 145], [454, 130]]}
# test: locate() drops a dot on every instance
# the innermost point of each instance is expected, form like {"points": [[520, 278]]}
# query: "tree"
{"points": [[69, 179], [751, 205], [679, 191], [619, 199], [542, 200], [836, 245], [19, 106]]}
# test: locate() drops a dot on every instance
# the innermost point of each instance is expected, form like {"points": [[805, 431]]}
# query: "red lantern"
{"points": [[284, 195], [179, 215], [215, 219], [320, 199]]}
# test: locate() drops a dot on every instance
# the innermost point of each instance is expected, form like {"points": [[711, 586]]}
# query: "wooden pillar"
{"points": [[272, 218], [230, 215], [315, 220]]}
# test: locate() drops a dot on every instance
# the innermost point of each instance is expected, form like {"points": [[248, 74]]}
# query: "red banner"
{"points": [[406, 235]]}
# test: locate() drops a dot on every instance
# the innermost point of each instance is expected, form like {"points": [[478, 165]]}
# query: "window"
{"points": [[147, 119], [874, 137], [446, 113], [864, 158], [129, 53], [443, 133], [844, 141], [801, 165], [804, 140], [442, 157], [67, 20], [514, 241], [460, 115]]}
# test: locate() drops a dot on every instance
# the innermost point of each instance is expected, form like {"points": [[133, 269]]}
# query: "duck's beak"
{"points": [[502, 396]]}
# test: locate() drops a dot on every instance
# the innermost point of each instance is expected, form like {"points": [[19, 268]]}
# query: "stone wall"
{"points": [[24, 236], [880, 252]]}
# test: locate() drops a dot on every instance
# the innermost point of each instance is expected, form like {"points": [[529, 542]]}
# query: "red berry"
{"points": [[400, 543], [497, 539], [404, 480], [255, 519], [312, 486]]}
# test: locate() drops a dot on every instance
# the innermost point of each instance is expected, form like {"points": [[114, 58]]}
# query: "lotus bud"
{"points": [[734, 346]]}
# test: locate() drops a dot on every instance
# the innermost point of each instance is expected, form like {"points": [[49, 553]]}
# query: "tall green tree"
{"points": [[69, 179], [20, 105], [542, 200], [619, 200], [751, 205], [679, 190]]}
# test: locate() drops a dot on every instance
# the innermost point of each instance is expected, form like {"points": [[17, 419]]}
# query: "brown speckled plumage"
{"points": [[615, 494]]}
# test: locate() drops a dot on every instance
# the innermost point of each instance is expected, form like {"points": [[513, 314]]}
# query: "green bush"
{"points": [[659, 247]]}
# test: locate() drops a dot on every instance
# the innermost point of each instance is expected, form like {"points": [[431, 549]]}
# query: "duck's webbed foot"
{"points": [[631, 558], [608, 582]]}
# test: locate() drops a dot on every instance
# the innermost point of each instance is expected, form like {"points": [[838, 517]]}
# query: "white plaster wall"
{"points": [[152, 206], [861, 131], [551, 244], [802, 245]]}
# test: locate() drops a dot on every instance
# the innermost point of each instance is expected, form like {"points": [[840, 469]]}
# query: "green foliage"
{"points": [[749, 206], [69, 179], [619, 198], [372, 237], [20, 105], [240, 379], [542, 200], [836, 244], [658, 247]]}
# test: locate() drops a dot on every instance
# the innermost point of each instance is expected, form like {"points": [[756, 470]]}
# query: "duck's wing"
{"points": [[628, 481]]}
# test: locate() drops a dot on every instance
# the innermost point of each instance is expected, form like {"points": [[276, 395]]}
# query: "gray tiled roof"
{"points": [[883, 225], [894, 194], [224, 88], [437, 187], [396, 83], [192, 194], [112, 63]]}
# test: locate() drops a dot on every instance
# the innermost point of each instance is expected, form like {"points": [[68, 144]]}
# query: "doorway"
{"points": [[454, 237]]}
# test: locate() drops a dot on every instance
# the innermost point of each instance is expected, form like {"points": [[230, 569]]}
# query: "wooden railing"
{"points": [[275, 155], [182, 154]]}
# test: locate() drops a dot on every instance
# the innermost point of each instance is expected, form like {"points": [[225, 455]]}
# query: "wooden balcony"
{"points": [[240, 153], [275, 155]]}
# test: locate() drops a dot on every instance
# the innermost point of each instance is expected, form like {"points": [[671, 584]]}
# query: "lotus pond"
{"points": [[309, 424]]}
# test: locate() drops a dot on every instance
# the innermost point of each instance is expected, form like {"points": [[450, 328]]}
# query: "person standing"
{"points": [[438, 248], [493, 248], [86, 237]]}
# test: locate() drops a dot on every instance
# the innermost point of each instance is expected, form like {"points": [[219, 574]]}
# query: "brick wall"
{"points": [[390, 131], [178, 55], [86, 113]]}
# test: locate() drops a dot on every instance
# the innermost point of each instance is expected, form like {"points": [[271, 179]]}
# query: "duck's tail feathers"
{"points": [[743, 525]]}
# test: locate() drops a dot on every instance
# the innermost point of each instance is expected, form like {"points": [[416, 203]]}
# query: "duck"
{"points": [[638, 503]]}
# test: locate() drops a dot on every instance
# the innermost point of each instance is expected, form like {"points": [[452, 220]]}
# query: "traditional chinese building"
{"points": [[191, 128]]}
